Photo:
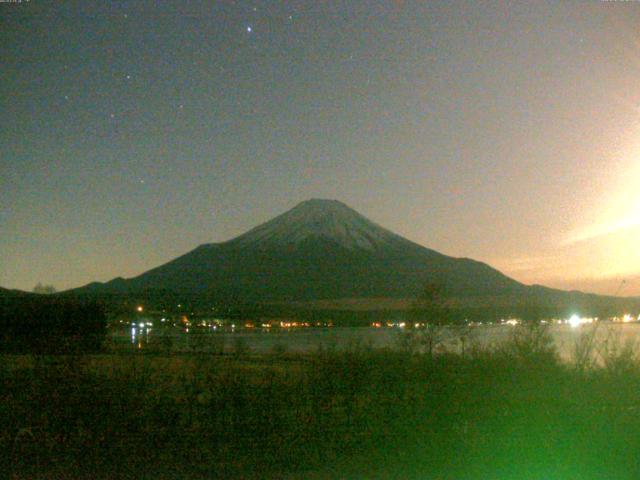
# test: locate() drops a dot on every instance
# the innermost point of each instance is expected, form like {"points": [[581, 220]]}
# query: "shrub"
{"points": [[585, 349], [530, 343], [619, 358]]}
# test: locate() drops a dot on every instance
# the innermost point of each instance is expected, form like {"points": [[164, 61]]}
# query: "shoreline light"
{"points": [[575, 321]]}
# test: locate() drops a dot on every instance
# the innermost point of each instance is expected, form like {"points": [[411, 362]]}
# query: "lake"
{"points": [[306, 340]]}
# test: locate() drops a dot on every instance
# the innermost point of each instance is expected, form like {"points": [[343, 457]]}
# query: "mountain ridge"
{"points": [[323, 255], [319, 249]]}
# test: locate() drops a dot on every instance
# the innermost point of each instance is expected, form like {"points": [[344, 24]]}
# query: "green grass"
{"points": [[512, 413]]}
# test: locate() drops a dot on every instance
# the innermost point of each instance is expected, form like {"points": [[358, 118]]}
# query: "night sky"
{"points": [[508, 132]]}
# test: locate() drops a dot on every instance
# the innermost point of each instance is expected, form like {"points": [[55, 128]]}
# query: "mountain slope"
{"points": [[320, 249], [6, 293]]}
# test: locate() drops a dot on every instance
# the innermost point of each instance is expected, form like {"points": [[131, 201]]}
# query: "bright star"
{"points": [[249, 29]]}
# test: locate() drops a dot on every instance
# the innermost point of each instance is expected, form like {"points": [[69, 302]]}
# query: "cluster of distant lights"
{"points": [[215, 324], [574, 321]]}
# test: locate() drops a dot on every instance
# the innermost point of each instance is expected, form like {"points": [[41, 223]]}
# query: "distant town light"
{"points": [[139, 308]]}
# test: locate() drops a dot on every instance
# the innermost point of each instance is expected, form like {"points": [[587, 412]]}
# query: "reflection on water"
{"points": [[140, 335]]}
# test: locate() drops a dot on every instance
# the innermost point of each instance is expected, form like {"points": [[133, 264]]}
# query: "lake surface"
{"points": [[306, 340]]}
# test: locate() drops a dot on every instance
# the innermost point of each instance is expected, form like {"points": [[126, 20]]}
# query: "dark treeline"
{"points": [[343, 317], [39, 324], [533, 307]]}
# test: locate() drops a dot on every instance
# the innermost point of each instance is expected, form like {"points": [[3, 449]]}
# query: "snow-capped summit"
{"points": [[319, 219]]}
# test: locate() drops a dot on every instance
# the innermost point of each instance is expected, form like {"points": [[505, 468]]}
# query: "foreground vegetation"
{"points": [[514, 412]]}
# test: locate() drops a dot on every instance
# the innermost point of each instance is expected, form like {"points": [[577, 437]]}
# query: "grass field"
{"points": [[514, 412]]}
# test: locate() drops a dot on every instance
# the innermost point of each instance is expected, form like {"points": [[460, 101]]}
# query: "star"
{"points": [[249, 29], [66, 97], [181, 106], [113, 115], [128, 77]]}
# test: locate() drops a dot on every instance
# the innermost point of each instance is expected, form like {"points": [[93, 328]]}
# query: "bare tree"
{"points": [[428, 318], [44, 289]]}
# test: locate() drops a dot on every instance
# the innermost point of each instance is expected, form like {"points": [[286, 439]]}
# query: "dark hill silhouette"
{"points": [[11, 293]]}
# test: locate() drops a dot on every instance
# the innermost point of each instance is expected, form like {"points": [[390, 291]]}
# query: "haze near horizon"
{"points": [[503, 132]]}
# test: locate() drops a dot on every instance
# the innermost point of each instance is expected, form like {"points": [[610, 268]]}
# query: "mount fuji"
{"points": [[319, 250]]}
